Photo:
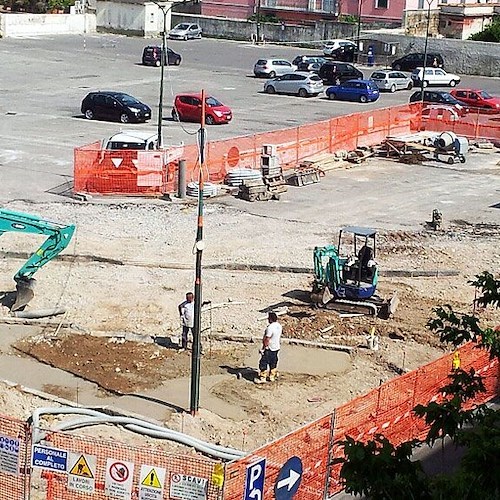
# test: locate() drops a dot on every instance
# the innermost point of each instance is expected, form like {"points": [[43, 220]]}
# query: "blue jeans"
{"points": [[268, 359]]}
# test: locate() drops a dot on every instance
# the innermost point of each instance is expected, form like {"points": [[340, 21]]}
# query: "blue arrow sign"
{"points": [[49, 458], [289, 479]]}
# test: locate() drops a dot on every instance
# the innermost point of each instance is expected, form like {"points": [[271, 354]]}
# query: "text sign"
{"points": [[119, 477], [254, 483], [49, 458], [184, 487], [289, 479], [81, 472], [152, 481], [9, 455]]}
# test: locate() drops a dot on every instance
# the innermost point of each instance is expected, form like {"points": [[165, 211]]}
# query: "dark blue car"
{"points": [[354, 90]]}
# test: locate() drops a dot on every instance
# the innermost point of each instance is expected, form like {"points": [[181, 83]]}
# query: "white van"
{"points": [[132, 139]]}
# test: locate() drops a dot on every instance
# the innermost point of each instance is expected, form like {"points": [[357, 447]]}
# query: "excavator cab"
{"points": [[59, 236]]}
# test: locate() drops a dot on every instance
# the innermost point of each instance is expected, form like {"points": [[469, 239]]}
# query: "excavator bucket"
{"points": [[25, 293]]}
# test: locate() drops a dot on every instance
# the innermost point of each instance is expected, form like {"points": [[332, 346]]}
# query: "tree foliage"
{"points": [[380, 470], [489, 34]]}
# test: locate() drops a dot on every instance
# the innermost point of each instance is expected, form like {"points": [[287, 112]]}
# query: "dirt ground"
{"points": [[124, 273]]}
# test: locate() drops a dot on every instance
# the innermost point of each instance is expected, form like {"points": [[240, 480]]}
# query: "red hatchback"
{"points": [[187, 107], [477, 99]]}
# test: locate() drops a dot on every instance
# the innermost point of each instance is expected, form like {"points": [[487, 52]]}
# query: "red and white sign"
{"points": [[119, 477]]}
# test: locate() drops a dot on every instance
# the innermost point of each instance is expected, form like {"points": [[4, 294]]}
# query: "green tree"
{"points": [[380, 470], [490, 34]]}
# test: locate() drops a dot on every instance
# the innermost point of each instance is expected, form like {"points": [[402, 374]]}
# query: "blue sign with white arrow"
{"points": [[289, 479]]}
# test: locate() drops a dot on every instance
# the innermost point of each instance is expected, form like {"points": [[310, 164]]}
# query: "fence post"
{"points": [[181, 180]]}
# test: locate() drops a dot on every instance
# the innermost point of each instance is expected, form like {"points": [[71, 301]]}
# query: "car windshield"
{"points": [[378, 76], [182, 27], [261, 62], [449, 99], [315, 78], [212, 102], [127, 99], [485, 95]]}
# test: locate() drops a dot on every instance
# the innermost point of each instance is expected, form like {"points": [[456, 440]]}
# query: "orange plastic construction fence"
{"points": [[386, 410], [156, 172]]}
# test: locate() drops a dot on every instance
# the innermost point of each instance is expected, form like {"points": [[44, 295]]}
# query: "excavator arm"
{"points": [[59, 236]]}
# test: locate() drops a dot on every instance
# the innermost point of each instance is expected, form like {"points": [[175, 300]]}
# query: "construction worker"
{"points": [[268, 364], [186, 312]]}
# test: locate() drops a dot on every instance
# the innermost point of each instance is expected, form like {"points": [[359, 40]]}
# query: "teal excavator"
{"points": [[59, 236]]}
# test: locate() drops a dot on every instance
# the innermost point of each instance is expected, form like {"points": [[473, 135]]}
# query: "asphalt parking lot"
{"points": [[43, 81]]}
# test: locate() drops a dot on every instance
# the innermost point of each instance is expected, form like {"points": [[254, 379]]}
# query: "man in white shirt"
{"points": [[270, 349], [186, 312]]}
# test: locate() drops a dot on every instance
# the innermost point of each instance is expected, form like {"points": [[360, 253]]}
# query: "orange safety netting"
{"points": [[156, 172]]}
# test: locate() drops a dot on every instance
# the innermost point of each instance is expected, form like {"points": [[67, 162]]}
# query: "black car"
{"points": [[115, 106], [335, 72], [309, 63], [345, 53], [409, 62], [439, 97], [151, 56]]}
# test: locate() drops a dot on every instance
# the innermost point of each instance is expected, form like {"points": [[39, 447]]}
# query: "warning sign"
{"points": [[152, 480], [218, 475], [183, 487], [82, 472], [119, 476], [9, 454]]}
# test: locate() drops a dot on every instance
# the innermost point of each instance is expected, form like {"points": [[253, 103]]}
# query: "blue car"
{"points": [[354, 90]]}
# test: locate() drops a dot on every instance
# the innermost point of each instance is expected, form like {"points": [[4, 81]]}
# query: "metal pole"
{"points": [[425, 47], [258, 22], [162, 65], [181, 180], [196, 352], [358, 34]]}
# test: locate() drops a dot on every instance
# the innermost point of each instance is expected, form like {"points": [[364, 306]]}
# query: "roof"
{"points": [[360, 231]]}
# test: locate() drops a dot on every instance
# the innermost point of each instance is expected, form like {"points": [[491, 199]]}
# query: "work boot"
{"points": [[273, 375], [262, 378]]}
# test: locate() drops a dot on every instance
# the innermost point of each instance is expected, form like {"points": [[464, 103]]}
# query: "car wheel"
{"points": [[393, 88], [332, 96], [157, 63], [410, 86], [185, 38], [272, 74], [363, 98], [89, 114], [303, 93], [175, 115], [270, 89], [177, 61], [124, 118], [397, 67], [209, 120], [453, 83], [426, 83]]}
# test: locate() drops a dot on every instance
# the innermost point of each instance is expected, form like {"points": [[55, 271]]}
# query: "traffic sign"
{"points": [[151, 481], [289, 479], [9, 455], [119, 476], [49, 458], [82, 472], [254, 483]]}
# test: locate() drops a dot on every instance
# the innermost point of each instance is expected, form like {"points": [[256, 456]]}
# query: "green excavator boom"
{"points": [[59, 236]]}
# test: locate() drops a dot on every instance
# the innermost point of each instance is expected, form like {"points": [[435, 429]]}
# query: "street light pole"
{"points": [[257, 13], [358, 34], [425, 47], [162, 73]]}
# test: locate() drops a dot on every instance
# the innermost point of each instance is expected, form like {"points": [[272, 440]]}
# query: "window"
{"points": [[382, 4], [420, 4]]}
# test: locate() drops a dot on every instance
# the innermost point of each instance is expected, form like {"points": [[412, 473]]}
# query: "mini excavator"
{"points": [[348, 283], [59, 236]]}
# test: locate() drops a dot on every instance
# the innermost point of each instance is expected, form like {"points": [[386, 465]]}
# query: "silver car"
{"points": [[301, 83], [391, 80], [273, 67], [185, 31]]}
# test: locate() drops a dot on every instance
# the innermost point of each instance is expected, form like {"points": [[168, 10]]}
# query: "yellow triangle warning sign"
{"points": [[152, 480], [81, 468]]}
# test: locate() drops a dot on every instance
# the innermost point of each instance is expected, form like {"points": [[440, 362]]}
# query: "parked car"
{"points": [[332, 46], [434, 76], [185, 31], [337, 72], [116, 106], [187, 107], [354, 90], [309, 63], [301, 83], [132, 140], [391, 80], [439, 97], [151, 56], [273, 67], [409, 62], [477, 99]]}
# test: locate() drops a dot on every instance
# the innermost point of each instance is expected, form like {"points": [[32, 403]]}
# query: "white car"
{"points": [[273, 67], [185, 31], [132, 139], [333, 45], [301, 83], [434, 76]]}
